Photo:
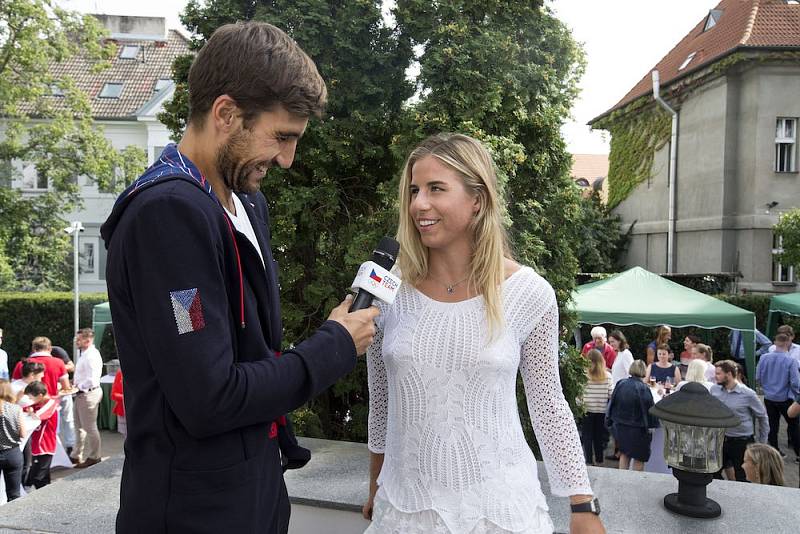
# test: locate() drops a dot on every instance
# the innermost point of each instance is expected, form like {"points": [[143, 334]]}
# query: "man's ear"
{"points": [[225, 113]]}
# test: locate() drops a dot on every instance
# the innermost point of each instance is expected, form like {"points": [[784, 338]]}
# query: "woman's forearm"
{"points": [[375, 466]]}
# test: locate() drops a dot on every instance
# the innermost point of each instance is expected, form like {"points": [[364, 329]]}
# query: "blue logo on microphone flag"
{"points": [[188, 310], [375, 276]]}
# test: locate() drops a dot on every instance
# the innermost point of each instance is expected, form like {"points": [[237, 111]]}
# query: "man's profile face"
{"points": [[246, 156]]}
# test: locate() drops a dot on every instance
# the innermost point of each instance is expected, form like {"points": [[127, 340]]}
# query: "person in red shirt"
{"points": [[43, 439], [599, 342], [55, 372], [119, 404]]}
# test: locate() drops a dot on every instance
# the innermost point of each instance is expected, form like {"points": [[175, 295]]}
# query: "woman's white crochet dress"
{"points": [[443, 410]]}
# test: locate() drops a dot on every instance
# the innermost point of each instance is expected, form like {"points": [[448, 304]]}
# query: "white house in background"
{"points": [[125, 99]]}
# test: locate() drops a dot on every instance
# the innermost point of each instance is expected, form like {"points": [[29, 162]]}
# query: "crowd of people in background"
{"points": [[41, 409], [621, 389]]}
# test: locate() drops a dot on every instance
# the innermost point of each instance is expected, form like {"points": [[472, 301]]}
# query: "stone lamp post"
{"points": [[694, 428]]}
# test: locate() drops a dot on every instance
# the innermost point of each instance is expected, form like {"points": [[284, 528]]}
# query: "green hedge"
{"points": [[23, 316]]}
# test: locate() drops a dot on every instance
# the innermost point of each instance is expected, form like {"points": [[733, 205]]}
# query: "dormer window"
{"points": [[686, 61], [129, 52], [713, 18], [161, 84], [111, 90]]}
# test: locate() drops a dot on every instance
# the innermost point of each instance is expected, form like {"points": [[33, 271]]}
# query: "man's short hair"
{"points": [[727, 366], [782, 338], [598, 331], [32, 367], [85, 332], [259, 67], [40, 344], [782, 329]]}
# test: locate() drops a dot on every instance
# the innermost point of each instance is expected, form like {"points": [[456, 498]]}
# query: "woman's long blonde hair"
{"points": [[597, 368], [473, 163], [768, 462]]}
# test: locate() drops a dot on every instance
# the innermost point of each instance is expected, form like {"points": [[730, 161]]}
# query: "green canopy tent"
{"points": [[101, 317], [788, 304], [638, 296]]}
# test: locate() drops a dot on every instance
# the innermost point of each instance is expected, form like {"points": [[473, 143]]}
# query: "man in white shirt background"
{"points": [[88, 370]]}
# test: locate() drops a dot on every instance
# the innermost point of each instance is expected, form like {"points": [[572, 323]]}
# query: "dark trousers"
{"points": [[593, 436], [733, 455], [39, 475], [774, 412], [11, 467], [27, 459]]}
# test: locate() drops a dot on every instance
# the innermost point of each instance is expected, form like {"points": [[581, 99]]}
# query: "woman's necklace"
{"points": [[451, 288]]}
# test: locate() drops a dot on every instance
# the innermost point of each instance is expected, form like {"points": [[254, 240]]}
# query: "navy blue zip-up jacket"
{"points": [[197, 325]]}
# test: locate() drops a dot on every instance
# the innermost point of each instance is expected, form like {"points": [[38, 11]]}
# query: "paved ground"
{"points": [[112, 446]]}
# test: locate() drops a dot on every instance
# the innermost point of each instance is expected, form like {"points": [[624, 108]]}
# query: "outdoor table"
{"points": [[106, 419], [657, 463]]}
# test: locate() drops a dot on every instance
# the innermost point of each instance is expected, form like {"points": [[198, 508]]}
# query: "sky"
{"points": [[622, 39]]}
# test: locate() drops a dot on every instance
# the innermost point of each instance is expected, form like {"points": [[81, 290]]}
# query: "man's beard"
{"points": [[231, 165]]}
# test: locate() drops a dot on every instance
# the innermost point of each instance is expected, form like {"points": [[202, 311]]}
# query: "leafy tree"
{"points": [[602, 243], [503, 72], [323, 209], [788, 228], [54, 133], [506, 73]]}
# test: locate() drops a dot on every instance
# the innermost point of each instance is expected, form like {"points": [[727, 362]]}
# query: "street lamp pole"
{"points": [[75, 229]]}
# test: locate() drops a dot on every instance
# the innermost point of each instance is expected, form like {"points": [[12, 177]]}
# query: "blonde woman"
{"points": [[595, 400], [763, 465], [447, 450], [696, 372], [704, 353]]}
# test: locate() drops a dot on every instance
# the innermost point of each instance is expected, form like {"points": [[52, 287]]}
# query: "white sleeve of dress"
{"points": [[553, 422], [378, 395]]}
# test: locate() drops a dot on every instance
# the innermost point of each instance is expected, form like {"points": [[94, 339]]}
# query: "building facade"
{"points": [[734, 82], [126, 99]]}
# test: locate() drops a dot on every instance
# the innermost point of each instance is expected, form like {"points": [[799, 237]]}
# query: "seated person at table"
{"points": [[662, 369]]}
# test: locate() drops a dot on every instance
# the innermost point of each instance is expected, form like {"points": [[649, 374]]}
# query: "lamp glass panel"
{"points": [[693, 448]]}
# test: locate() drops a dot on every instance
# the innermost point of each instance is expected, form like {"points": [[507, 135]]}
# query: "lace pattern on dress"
{"points": [[443, 410]]}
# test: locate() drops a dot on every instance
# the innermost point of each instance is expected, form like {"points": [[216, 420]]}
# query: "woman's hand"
{"points": [[366, 510], [586, 523]]}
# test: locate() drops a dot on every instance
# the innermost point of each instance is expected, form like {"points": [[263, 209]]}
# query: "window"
{"points": [[686, 61], [129, 52], [31, 179], [713, 18], [111, 90], [780, 273], [161, 84], [786, 145], [86, 259]]}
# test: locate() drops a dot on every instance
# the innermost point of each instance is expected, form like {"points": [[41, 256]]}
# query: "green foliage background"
{"points": [[66, 144], [788, 228], [24, 316], [503, 72]]}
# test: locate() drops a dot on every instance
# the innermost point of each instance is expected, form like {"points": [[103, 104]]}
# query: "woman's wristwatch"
{"points": [[592, 506]]}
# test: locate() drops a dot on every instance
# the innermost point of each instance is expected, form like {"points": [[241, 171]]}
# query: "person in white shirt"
{"points": [[32, 371], [447, 450], [88, 370], [704, 353], [622, 364]]}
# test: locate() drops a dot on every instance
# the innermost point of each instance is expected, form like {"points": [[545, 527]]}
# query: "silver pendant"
{"points": [[450, 289]]}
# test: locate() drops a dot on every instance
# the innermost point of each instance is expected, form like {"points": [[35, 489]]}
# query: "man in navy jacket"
{"points": [[194, 296]]}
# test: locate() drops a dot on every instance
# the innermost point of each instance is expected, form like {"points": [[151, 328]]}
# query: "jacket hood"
{"points": [[171, 165]]}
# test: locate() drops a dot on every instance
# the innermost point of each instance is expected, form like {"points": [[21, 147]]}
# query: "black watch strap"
{"points": [[592, 506]]}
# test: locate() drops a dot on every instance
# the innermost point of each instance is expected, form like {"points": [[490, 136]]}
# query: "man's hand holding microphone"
{"points": [[373, 280]]}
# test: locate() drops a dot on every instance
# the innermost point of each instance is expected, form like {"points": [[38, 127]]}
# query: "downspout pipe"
{"points": [[673, 169]]}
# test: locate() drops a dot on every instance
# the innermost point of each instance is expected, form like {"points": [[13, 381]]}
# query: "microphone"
{"points": [[374, 279]]}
